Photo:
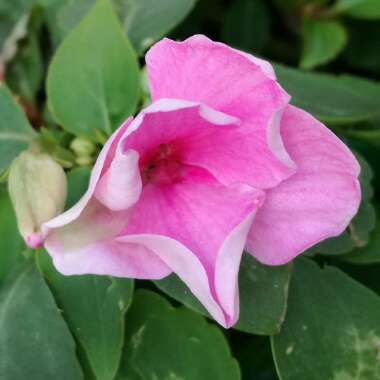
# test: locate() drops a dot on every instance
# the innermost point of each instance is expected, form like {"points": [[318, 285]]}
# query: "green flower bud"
{"points": [[82, 146], [84, 161], [37, 187]]}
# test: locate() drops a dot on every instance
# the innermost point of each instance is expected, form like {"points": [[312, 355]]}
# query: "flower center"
{"points": [[161, 166]]}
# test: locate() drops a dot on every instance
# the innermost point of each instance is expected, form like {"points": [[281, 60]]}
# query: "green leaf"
{"points": [[363, 53], [163, 342], [246, 25], [331, 330], [370, 253], [263, 295], [322, 42], [77, 183], [11, 243], [332, 99], [15, 130], [35, 342], [24, 74], [93, 80], [366, 9], [12, 13], [146, 21], [94, 307], [143, 21]]}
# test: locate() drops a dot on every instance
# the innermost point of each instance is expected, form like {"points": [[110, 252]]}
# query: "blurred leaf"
{"points": [[332, 329], [51, 144], [24, 74], [332, 99], [146, 21], [93, 80], [367, 9], [143, 21], [77, 183], [363, 53], [15, 130], [13, 21], [11, 243], [323, 41], [291, 5], [163, 342], [35, 342], [63, 16], [94, 307], [263, 295], [246, 25]]}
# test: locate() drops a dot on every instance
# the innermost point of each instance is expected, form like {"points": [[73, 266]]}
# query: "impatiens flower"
{"points": [[217, 163]]}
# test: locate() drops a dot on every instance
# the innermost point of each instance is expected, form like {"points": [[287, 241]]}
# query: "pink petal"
{"points": [[215, 141], [123, 173], [316, 203], [102, 164], [198, 227], [234, 83], [214, 74], [80, 240]]}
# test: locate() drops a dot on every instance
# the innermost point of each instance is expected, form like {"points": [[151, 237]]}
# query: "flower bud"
{"points": [[37, 187], [82, 147]]}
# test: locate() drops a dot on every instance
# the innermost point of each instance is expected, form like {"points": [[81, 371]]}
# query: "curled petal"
{"points": [[198, 228], [237, 84], [123, 173], [316, 203], [217, 142], [81, 241]]}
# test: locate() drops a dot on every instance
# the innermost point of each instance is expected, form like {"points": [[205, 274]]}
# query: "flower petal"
{"points": [[237, 84], [102, 164], [212, 73], [80, 240], [198, 227], [316, 203], [237, 154], [120, 186]]}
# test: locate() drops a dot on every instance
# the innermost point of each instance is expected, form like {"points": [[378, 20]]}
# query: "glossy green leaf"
{"points": [[332, 99], [93, 80], [77, 183], [246, 25], [15, 130], [35, 342], [146, 21], [263, 295], [94, 307], [366, 9], [331, 330], [11, 243], [163, 342], [322, 42]]}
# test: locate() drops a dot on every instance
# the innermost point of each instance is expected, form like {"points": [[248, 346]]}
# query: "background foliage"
{"points": [[72, 71]]}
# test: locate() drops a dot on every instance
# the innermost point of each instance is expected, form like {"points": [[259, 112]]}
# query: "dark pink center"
{"points": [[161, 166]]}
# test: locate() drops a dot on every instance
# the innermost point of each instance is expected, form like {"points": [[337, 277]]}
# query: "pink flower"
{"points": [[219, 162]]}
